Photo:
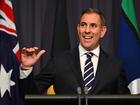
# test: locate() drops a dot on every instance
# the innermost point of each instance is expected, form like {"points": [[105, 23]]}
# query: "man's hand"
{"points": [[29, 56]]}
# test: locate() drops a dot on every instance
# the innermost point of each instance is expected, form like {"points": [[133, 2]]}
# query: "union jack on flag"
{"points": [[9, 57]]}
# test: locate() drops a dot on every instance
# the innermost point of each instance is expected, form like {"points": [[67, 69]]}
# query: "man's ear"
{"points": [[78, 28], [104, 29]]}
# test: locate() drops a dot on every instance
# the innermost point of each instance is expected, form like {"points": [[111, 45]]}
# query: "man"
{"points": [[67, 71]]}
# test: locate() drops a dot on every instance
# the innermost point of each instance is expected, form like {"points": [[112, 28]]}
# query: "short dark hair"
{"points": [[91, 10]]}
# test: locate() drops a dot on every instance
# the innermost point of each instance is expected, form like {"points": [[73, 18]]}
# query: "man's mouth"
{"points": [[87, 37]]}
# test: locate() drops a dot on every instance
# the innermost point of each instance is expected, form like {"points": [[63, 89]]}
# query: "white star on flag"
{"points": [[5, 81]]}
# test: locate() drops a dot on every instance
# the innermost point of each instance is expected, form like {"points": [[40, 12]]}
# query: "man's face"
{"points": [[90, 31]]}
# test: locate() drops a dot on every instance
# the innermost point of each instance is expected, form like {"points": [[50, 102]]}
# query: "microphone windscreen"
{"points": [[86, 90], [79, 91]]}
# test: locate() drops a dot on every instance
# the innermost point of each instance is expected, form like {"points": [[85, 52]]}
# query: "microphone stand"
{"points": [[79, 91], [86, 92]]}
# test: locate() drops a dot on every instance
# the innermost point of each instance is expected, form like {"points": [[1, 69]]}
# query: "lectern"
{"points": [[73, 100]]}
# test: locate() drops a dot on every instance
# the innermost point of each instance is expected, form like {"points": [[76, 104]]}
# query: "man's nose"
{"points": [[87, 30]]}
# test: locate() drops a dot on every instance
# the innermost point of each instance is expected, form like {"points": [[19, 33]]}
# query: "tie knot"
{"points": [[89, 54]]}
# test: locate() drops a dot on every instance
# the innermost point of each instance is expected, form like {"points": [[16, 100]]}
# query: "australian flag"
{"points": [[9, 57]]}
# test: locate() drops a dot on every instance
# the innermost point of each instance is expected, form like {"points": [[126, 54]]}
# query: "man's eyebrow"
{"points": [[93, 23], [83, 22]]}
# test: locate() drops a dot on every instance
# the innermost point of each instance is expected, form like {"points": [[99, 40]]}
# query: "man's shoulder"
{"points": [[111, 57], [66, 53]]}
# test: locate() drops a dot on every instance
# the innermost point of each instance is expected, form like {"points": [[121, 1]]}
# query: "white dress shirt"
{"points": [[25, 73], [94, 58]]}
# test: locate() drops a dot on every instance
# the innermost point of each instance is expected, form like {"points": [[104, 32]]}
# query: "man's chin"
{"points": [[88, 48]]}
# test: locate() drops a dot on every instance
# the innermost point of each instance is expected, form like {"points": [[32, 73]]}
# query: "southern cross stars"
{"points": [[5, 81]]}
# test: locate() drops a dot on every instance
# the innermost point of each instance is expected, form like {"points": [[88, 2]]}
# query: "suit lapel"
{"points": [[75, 63], [102, 64]]}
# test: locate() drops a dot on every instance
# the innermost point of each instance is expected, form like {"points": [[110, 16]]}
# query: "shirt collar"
{"points": [[82, 51]]}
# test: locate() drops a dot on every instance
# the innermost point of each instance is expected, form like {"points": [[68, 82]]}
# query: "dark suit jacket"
{"points": [[63, 71]]}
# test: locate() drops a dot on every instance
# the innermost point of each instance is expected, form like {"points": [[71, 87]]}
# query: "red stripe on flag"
{"points": [[7, 29], [7, 10]]}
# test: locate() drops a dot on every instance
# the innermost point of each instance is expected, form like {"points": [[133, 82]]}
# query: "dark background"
{"points": [[51, 24]]}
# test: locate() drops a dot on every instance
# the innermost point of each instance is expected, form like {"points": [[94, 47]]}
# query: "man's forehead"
{"points": [[90, 18]]}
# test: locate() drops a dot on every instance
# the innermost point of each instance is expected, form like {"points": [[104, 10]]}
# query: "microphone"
{"points": [[86, 92], [79, 91]]}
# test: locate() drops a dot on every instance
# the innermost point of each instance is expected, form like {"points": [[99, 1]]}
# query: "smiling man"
{"points": [[91, 29], [87, 66]]}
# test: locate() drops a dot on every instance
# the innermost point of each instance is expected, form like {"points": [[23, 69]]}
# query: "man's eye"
{"points": [[93, 25], [82, 24]]}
